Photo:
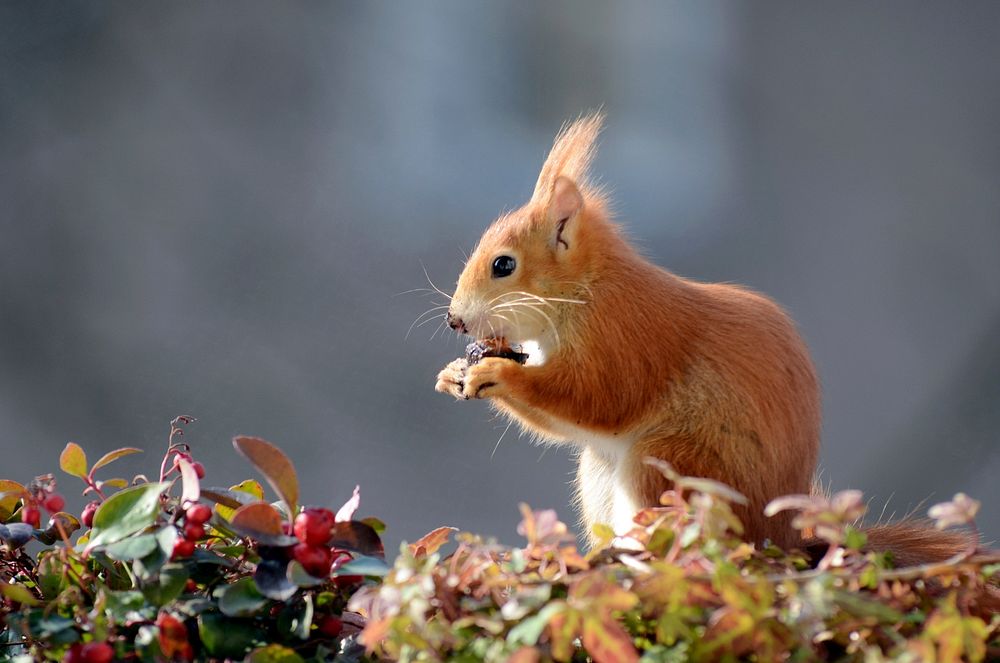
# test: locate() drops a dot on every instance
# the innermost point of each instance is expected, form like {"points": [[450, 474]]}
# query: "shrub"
{"points": [[172, 569], [157, 574], [683, 586]]}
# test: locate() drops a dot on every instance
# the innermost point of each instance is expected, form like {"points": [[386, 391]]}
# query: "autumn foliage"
{"points": [[171, 568]]}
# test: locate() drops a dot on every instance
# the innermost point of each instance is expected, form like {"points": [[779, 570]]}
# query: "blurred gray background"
{"points": [[210, 209]]}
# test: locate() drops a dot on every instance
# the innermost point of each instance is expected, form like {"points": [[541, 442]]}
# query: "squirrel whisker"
{"points": [[427, 312]]}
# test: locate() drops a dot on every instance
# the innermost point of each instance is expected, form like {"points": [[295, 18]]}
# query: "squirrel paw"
{"points": [[486, 378], [451, 379]]}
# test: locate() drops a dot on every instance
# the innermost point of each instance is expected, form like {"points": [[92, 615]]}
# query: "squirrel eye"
{"points": [[503, 266]]}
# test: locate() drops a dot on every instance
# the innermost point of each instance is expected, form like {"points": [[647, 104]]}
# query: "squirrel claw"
{"points": [[482, 380], [451, 379]]}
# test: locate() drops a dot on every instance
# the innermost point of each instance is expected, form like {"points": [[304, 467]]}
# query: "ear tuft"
{"points": [[570, 156]]}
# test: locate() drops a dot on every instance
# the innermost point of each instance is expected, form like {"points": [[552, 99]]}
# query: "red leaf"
{"points": [[429, 543], [173, 638], [190, 486], [274, 465], [606, 641], [356, 537], [260, 521]]}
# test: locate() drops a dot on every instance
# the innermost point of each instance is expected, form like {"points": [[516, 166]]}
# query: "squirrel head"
{"points": [[533, 265]]}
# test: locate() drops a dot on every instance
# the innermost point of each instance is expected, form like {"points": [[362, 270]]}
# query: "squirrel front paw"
{"points": [[487, 378], [451, 379]]}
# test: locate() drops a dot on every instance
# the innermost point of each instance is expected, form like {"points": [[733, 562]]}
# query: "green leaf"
{"points": [[855, 539], [298, 576], [48, 626], [112, 456], [147, 567], [529, 629], [18, 593], [858, 605], [274, 465], [125, 606], [59, 523], [126, 513], [73, 460], [375, 524], [240, 599], [226, 637], [167, 586], [272, 580], [131, 548], [603, 533], [362, 565], [274, 654], [10, 494]]}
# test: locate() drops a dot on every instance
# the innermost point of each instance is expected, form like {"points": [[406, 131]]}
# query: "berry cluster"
{"points": [[312, 528], [41, 495], [195, 517]]}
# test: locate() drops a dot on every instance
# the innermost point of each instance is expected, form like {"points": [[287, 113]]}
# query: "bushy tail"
{"points": [[917, 541], [914, 542]]}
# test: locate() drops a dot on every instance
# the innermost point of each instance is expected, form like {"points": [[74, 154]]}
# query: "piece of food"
{"points": [[493, 347]]}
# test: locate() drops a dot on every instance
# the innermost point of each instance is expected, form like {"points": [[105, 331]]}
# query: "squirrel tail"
{"points": [[917, 541]]}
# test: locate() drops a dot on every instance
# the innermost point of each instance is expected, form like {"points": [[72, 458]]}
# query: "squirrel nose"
{"points": [[455, 322]]}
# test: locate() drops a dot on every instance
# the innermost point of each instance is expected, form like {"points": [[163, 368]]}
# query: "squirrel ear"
{"points": [[564, 203]]}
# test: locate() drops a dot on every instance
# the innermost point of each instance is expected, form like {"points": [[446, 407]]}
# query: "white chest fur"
{"points": [[604, 487], [604, 491]]}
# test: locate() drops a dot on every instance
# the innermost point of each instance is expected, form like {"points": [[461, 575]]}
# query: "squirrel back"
{"points": [[630, 361]]}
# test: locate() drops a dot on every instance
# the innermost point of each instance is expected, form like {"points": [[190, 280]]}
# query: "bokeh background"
{"points": [[211, 209]]}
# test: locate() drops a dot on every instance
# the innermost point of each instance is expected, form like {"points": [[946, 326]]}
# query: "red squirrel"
{"points": [[627, 360]]}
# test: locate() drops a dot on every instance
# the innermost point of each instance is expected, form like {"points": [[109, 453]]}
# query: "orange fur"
{"points": [[638, 361]]}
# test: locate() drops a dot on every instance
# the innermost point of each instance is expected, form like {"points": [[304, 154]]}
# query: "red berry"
{"points": [[313, 525], [183, 548], [199, 469], [87, 517], [315, 560], [97, 652], [54, 503], [190, 586], [198, 514], [330, 626], [194, 532], [74, 654], [31, 515]]}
